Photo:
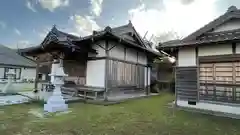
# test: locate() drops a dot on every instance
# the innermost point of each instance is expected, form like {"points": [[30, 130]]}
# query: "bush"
{"points": [[154, 87]]}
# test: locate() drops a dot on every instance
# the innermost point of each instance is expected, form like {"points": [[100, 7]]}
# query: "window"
{"points": [[40, 76], [220, 81], [16, 70]]}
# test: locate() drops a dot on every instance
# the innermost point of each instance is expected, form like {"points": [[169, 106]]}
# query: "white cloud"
{"points": [[96, 7], [17, 32], [23, 44], [43, 33], [83, 25], [3, 24], [30, 6], [175, 16], [51, 5]]}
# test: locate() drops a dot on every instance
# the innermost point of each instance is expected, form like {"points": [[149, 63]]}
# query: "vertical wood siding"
{"points": [[76, 71], [186, 83], [128, 75]]}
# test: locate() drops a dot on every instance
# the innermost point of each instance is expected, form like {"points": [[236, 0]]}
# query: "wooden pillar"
{"points": [[198, 74], [175, 77], [147, 88], [106, 70], [36, 77]]}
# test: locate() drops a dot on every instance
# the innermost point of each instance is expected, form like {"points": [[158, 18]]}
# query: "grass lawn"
{"points": [[148, 116]]}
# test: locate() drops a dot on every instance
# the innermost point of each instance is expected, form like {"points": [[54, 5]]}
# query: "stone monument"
{"points": [[8, 87], [56, 102]]}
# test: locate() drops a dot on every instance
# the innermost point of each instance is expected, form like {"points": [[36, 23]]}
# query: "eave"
{"points": [[206, 39], [57, 40], [112, 36]]}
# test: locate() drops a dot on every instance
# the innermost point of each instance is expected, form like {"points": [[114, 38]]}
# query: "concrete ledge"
{"points": [[109, 102], [212, 109], [215, 113]]}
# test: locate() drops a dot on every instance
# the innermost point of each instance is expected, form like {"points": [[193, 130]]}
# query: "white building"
{"points": [[208, 66], [25, 69]]}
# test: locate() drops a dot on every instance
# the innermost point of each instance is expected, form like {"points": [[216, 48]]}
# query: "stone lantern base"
{"points": [[56, 104]]}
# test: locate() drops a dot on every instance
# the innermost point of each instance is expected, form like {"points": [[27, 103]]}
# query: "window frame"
{"points": [[15, 70], [229, 93]]}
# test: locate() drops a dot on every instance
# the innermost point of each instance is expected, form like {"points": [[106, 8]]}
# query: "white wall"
{"points": [[1, 72], [28, 73], [238, 48], [96, 73], [211, 107], [131, 55], [142, 58], [187, 57], [101, 52], [117, 51], [96, 68], [148, 76], [230, 25], [215, 49]]}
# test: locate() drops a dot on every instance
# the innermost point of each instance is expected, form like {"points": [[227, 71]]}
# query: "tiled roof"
{"points": [[204, 34], [230, 35], [231, 13], [11, 57], [125, 33]]}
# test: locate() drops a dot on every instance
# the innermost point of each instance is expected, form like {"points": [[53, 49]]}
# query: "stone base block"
{"points": [[55, 107], [55, 103]]}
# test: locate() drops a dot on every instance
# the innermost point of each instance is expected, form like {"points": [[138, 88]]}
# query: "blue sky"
{"points": [[24, 23]]}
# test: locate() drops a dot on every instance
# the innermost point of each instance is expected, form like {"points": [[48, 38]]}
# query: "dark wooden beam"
{"points": [[137, 56], [112, 47], [116, 59], [104, 48], [234, 48], [197, 64], [125, 53], [36, 76], [220, 58], [106, 70]]}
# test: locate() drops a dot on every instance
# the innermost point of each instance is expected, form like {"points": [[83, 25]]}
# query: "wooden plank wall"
{"points": [[186, 83], [76, 70], [128, 75]]}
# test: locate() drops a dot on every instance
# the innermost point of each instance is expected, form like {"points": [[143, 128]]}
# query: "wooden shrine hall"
{"points": [[111, 61]]}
